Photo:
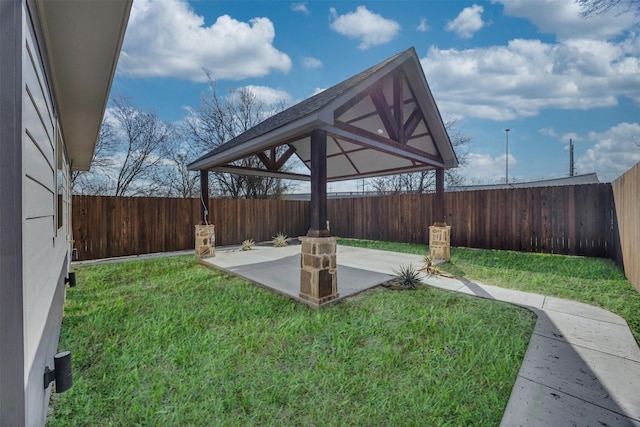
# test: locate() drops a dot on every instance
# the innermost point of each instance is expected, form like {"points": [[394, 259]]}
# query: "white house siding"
{"points": [[45, 247]]}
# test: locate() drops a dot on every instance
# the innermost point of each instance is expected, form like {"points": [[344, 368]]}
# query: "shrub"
{"points": [[247, 244], [280, 240], [407, 276], [428, 266]]}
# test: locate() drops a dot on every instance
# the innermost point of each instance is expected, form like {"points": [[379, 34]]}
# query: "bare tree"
{"points": [[181, 182], [146, 142], [102, 161], [132, 151], [425, 181], [219, 119], [599, 7]]}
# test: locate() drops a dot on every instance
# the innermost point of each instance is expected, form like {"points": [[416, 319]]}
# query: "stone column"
{"points": [[318, 275], [440, 241], [205, 241]]}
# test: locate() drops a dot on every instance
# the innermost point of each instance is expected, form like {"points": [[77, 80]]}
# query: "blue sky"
{"points": [[534, 66]]}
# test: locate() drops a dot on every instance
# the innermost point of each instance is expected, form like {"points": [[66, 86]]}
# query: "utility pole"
{"points": [[506, 175], [571, 170]]}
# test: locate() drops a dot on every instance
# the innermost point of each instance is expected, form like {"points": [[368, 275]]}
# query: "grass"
{"points": [[170, 342], [594, 281]]}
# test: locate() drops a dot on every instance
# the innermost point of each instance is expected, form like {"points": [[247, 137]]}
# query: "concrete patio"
{"points": [[582, 365]]}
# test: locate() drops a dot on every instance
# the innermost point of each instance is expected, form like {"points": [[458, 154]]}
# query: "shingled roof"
{"points": [[379, 122]]}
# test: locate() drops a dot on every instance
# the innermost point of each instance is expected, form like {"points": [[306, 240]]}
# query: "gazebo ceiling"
{"points": [[382, 121]]}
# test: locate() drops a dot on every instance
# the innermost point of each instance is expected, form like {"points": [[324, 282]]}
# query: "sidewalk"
{"points": [[582, 366]]}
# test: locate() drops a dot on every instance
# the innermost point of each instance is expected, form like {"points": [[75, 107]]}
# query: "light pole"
{"points": [[506, 179]]}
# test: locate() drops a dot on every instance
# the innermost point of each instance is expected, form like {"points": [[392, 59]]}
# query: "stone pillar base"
{"points": [[440, 241], [205, 241], [318, 274]]}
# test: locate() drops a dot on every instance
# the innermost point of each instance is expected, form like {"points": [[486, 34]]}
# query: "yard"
{"points": [[595, 281], [168, 341]]}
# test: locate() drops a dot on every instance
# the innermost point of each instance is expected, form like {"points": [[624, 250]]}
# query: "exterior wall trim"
{"points": [[12, 396]]}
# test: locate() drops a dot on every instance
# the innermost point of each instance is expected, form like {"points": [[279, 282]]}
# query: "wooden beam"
{"points": [[266, 161], [398, 110], [204, 196], [271, 162], [362, 137], [380, 102], [318, 208], [346, 154], [285, 156], [412, 123], [239, 170]]}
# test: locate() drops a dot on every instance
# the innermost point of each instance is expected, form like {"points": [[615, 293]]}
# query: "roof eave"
{"points": [[262, 142], [82, 42], [436, 124]]}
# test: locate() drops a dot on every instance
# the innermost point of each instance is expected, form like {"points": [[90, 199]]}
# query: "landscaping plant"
{"points": [[429, 267], [247, 244], [407, 276], [280, 240]]}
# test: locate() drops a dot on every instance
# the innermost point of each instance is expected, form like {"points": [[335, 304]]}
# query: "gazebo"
{"points": [[382, 121]]}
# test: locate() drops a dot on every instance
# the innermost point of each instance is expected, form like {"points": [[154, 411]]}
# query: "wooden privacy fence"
{"points": [[105, 226], [574, 220], [626, 192], [567, 220]]}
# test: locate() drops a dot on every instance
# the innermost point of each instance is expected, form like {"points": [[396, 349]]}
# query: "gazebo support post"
{"points": [[439, 232], [318, 208], [318, 278], [205, 232], [439, 199], [204, 196]]}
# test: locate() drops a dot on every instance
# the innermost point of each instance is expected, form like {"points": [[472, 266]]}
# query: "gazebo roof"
{"points": [[382, 121]]}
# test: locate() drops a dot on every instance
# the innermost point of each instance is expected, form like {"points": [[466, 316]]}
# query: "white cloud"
{"points": [[548, 132], [615, 151], [167, 39], [571, 136], [310, 62], [562, 18], [564, 138], [527, 76], [468, 22], [370, 28], [270, 96], [300, 7], [423, 26], [486, 168]]}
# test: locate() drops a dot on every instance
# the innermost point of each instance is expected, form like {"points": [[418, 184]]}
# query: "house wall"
{"points": [[12, 400], [38, 176], [45, 235]]}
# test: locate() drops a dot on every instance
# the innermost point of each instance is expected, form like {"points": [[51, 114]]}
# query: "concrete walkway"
{"points": [[582, 366]]}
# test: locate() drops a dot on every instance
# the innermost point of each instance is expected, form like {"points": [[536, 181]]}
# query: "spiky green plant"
{"points": [[428, 266], [248, 244], [280, 240], [407, 276]]}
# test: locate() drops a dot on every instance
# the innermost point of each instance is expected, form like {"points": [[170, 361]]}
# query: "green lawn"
{"points": [[595, 281], [170, 342]]}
